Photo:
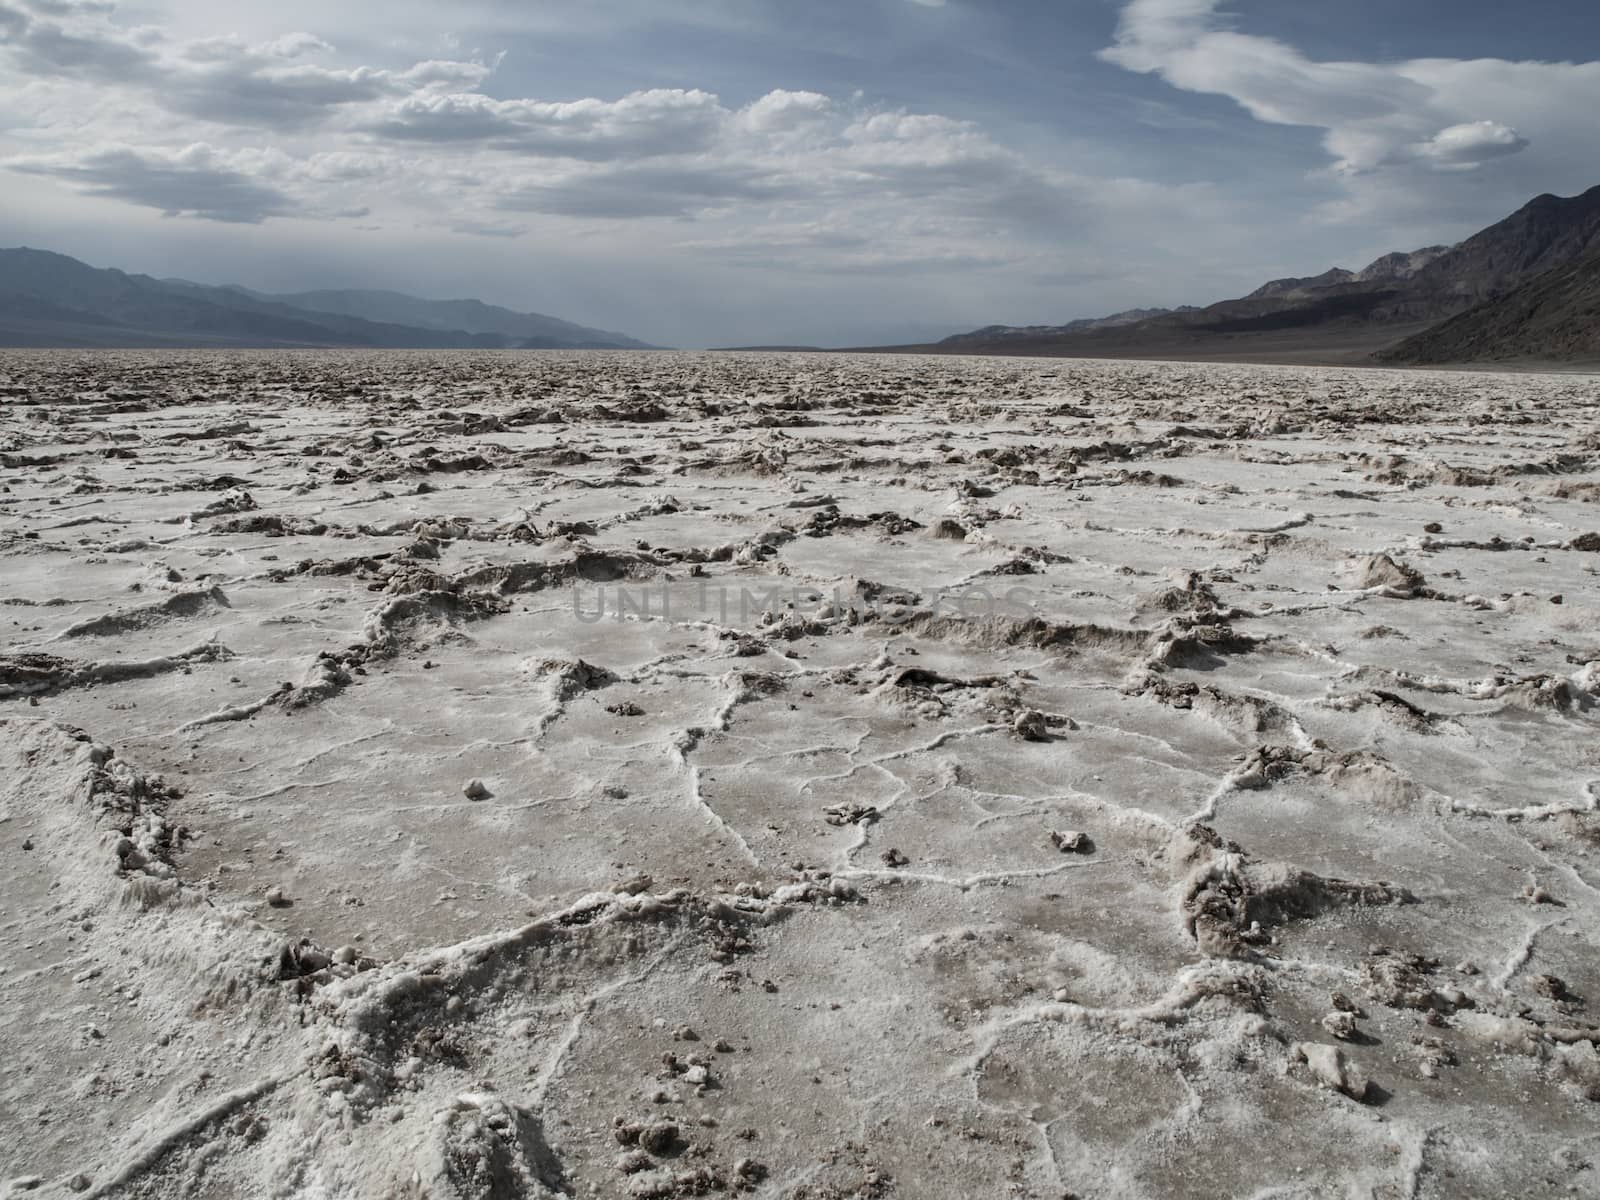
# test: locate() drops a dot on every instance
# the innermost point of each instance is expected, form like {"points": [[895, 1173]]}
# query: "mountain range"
{"points": [[49, 299], [1527, 287]]}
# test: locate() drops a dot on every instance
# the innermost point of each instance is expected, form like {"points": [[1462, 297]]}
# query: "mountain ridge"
{"points": [[1082, 324], [1350, 315], [469, 315], [52, 299], [1554, 316]]}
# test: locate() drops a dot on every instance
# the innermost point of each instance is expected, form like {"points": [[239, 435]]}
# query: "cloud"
{"points": [[438, 144], [1399, 135], [223, 80], [344, 166], [74, 41], [1374, 115], [66, 8], [782, 111], [1181, 41], [1471, 144], [246, 92], [445, 72], [642, 190], [425, 143], [641, 124], [476, 227], [794, 180], [819, 249], [195, 181], [921, 155]]}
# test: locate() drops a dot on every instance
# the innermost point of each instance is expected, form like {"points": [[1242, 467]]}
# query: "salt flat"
{"points": [[435, 774]]}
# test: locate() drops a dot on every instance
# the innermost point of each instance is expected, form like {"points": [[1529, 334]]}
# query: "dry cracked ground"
{"points": [[671, 775]]}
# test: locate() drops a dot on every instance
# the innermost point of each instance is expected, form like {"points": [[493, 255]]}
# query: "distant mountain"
{"points": [[1553, 317], [777, 349], [49, 299], [1339, 315], [1131, 316], [527, 330]]}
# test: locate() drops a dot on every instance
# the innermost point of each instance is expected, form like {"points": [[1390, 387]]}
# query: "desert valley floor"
{"points": [[657, 775]]}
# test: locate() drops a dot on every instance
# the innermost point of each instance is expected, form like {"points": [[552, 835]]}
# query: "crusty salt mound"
{"points": [[555, 775]]}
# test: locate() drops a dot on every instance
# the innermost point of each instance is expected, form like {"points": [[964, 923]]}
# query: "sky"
{"points": [[829, 172]]}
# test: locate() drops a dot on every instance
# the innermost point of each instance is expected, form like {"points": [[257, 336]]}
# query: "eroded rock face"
{"points": [[674, 775]]}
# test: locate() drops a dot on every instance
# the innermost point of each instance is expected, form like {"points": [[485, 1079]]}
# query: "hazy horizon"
{"points": [[717, 173]]}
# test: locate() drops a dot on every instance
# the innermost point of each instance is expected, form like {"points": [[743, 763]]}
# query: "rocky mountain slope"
{"points": [[1340, 315], [1554, 316]]}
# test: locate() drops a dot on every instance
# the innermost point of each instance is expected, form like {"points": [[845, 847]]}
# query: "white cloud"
{"points": [[1374, 116], [708, 199], [1471, 144], [641, 124], [1181, 41], [283, 128], [1419, 149], [224, 80], [786, 112], [446, 73]]}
